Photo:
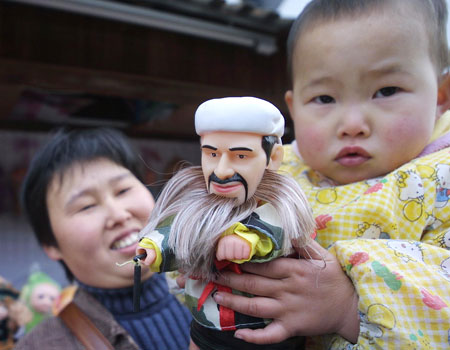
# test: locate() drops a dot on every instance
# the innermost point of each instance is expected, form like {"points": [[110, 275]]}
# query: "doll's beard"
{"points": [[197, 218]]}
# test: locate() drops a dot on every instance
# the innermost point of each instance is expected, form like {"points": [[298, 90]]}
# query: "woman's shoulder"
{"points": [[50, 334]]}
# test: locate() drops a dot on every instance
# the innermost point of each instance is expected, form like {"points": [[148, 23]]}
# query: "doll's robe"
{"points": [[264, 223]]}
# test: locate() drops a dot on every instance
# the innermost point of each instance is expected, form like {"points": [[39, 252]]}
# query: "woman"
{"points": [[86, 203]]}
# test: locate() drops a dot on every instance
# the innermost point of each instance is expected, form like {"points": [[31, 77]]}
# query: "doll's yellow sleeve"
{"points": [[147, 243], [260, 244]]}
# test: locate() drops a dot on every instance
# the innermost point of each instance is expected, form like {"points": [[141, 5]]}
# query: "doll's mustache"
{"points": [[235, 178]]}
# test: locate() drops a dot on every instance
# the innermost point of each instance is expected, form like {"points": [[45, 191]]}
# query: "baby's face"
{"points": [[364, 98]]}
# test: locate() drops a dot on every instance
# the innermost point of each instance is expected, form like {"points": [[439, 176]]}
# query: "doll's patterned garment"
{"points": [[391, 236], [198, 294]]}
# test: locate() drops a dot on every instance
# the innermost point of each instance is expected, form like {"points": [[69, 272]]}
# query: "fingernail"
{"points": [[237, 335], [218, 297]]}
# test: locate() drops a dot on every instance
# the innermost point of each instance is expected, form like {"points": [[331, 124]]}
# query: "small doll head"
{"points": [[43, 296], [240, 139], [39, 294]]}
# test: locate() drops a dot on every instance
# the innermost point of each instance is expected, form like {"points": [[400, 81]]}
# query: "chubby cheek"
{"points": [[311, 141], [80, 238], [405, 134], [143, 207]]}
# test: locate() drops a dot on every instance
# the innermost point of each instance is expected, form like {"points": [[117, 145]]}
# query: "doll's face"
{"points": [[3, 312], [43, 296], [233, 163]]}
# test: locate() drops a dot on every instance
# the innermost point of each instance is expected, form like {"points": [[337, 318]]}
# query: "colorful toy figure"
{"points": [[13, 314], [234, 208], [39, 294]]}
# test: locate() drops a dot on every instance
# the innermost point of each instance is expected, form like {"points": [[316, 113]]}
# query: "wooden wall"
{"points": [[67, 52]]}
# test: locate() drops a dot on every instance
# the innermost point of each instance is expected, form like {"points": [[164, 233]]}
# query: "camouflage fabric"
{"points": [[209, 314]]}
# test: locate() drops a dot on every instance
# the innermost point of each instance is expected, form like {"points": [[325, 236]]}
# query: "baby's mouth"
{"points": [[126, 241], [352, 156]]}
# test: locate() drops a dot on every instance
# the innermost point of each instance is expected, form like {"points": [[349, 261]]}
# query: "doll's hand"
{"points": [[308, 296], [232, 247], [151, 255]]}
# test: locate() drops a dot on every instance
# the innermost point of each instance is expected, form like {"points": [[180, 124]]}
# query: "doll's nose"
{"points": [[224, 169]]}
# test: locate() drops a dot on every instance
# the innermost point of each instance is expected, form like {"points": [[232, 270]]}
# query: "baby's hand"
{"points": [[151, 255], [232, 247]]}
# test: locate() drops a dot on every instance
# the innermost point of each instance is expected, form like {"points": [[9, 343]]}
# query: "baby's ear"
{"points": [[288, 98], [276, 157], [443, 101]]}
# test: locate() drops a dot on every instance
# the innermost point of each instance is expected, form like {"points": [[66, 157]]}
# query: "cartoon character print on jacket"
{"points": [[443, 188], [408, 273], [411, 191], [371, 231], [407, 251], [445, 269], [377, 318]]}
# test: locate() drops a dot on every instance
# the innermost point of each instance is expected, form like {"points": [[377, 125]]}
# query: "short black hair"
{"points": [[66, 148], [433, 12]]}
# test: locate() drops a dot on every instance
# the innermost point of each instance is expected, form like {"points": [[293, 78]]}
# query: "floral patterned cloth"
{"points": [[391, 236]]}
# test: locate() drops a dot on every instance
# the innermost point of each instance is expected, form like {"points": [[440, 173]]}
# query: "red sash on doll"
{"points": [[227, 321]]}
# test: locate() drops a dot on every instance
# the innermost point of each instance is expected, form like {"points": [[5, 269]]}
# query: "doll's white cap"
{"points": [[239, 114]]}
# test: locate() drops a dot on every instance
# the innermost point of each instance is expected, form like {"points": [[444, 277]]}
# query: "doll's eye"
{"points": [[241, 156], [213, 154]]}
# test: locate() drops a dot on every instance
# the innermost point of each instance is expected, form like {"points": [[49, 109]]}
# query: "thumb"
{"points": [[312, 251], [273, 333]]}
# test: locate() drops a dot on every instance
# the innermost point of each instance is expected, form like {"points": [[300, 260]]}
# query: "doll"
{"points": [[39, 294], [234, 208], [13, 314]]}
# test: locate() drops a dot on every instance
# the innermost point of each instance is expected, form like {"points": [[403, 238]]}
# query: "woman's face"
{"points": [[96, 210]]}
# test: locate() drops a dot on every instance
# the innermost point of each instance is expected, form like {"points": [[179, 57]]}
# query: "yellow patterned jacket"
{"points": [[391, 236]]}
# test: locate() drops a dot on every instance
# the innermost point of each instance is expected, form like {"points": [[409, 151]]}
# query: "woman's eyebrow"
{"points": [[87, 190], [77, 195]]}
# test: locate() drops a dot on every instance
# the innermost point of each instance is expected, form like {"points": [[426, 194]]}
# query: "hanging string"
{"points": [[137, 280]]}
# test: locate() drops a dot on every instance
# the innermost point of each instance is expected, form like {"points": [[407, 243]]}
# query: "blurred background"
{"points": [[142, 66]]}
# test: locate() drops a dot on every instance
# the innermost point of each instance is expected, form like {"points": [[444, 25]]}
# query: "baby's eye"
{"points": [[324, 99], [386, 91]]}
